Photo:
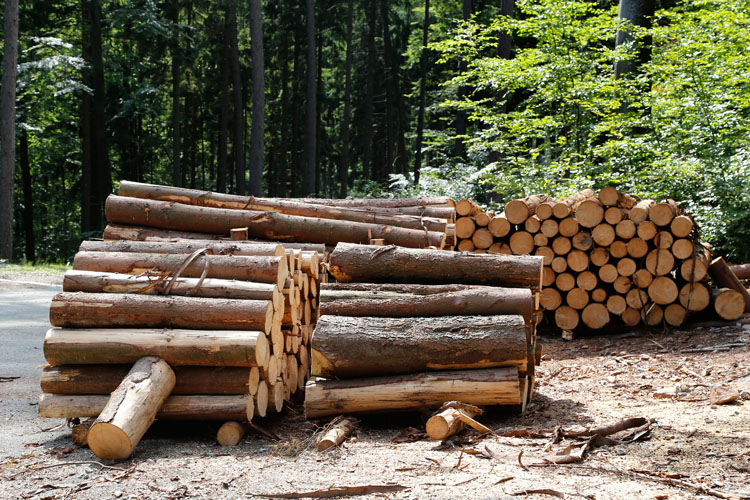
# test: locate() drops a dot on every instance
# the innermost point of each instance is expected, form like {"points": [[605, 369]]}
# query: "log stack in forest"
{"points": [[411, 329], [230, 320], [608, 258]]}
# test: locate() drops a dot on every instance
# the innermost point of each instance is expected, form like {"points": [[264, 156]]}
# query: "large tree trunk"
{"points": [[110, 310], [177, 347], [131, 409], [104, 379], [345, 124], [176, 121], [311, 107], [264, 225], [639, 14], [470, 301], [499, 386], [401, 265], [257, 130], [8, 128], [346, 346], [28, 198], [139, 233], [238, 140], [459, 149], [422, 92], [222, 168], [368, 119]]}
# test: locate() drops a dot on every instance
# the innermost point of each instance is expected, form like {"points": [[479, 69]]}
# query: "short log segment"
{"points": [[729, 304], [498, 386], [336, 434], [177, 347], [392, 264], [449, 421], [112, 310], [231, 433], [723, 276], [131, 409], [264, 225], [478, 300], [346, 346]]}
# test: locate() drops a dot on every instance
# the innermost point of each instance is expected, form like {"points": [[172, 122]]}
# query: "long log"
{"points": [[214, 407], [217, 247], [101, 282], [264, 225], [114, 232], [261, 269], [131, 409], [723, 276], [346, 346], [401, 265], [742, 271], [499, 386], [473, 301], [111, 310], [176, 347], [104, 379]]}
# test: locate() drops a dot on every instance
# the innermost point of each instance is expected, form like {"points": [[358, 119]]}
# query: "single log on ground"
{"points": [[402, 265], [475, 301], [185, 246], [450, 419], [104, 379], [100, 282], [231, 433], [723, 276], [177, 347], [517, 211], [336, 434], [346, 346], [729, 304], [238, 407], [265, 225], [131, 409], [566, 206], [498, 386], [261, 269], [113, 232], [111, 310]]}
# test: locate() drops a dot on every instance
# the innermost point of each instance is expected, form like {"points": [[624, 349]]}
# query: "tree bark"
{"points": [[28, 198], [257, 130], [366, 346], [111, 345], [400, 265], [311, 107], [345, 124], [264, 225], [131, 409], [266, 249], [637, 13], [367, 132], [448, 422], [222, 168], [176, 120], [114, 232], [238, 139], [723, 276], [742, 271], [8, 128], [499, 386], [109, 310]]}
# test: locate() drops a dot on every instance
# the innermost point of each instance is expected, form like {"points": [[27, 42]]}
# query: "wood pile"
{"points": [[608, 257], [411, 329], [178, 329]]}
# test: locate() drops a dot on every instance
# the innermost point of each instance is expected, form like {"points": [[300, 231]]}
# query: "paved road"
{"points": [[24, 313]]}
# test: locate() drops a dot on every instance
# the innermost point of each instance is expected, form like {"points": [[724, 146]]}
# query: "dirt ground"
{"points": [[693, 449]]}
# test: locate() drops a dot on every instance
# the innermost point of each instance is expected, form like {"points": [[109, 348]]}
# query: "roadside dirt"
{"points": [[693, 450]]}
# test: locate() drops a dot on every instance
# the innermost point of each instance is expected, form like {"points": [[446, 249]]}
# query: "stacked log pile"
{"points": [[411, 329], [231, 321], [607, 257]]}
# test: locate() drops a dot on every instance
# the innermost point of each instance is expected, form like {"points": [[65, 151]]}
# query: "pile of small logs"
{"points": [[411, 329], [606, 256], [218, 330], [147, 211]]}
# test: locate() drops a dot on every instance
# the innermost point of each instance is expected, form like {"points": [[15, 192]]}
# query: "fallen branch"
{"points": [[338, 491]]}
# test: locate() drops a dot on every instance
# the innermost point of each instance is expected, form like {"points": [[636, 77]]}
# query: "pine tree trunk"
{"points": [[257, 130], [8, 128], [422, 93], [311, 108], [367, 150], [28, 198], [176, 122], [222, 167], [238, 140]]}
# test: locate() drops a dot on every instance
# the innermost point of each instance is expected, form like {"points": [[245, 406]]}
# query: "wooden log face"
{"points": [[577, 298], [590, 213], [608, 273], [631, 316], [618, 249], [586, 280], [561, 245], [540, 240], [694, 297], [662, 214], [548, 277], [532, 224], [466, 246], [521, 243], [625, 229], [616, 304], [478, 387], [681, 226], [465, 227], [364, 346], [622, 284], [639, 212], [598, 295], [663, 290], [546, 253], [482, 219], [642, 278], [550, 228], [659, 262], [500, 248], [603, 235], [566, 318], [723, 276], [559, 264], [577, 261], [664, 240], [653, 315], [499, 226], [482, 239], [600, 256], [626, 267], [729, 304], [646, 230], [582, 240], [466, 208], [550, 299], [637, 248], [185, 247], [682, 248], [613, 215], [675, 314], [565, 282], [595, 316]]}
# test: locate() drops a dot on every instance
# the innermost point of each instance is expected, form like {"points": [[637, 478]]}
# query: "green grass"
{"points": [[28, 267]]}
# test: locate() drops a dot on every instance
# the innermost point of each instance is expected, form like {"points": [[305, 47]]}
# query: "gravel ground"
{"points": [[694, 449]]}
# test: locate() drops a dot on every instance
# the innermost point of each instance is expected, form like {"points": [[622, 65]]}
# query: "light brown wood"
{"points": [[653, 315], [626, 267], [637, 248], [499, 386], [238, 233], [336, 434], [610, 197], [482, 239], [595, 316], [587, 280], [561, 245], [131, 409], [659, 262], [566, 318], [396, 345], [465, 227], [694, 297], [622, 284], [647, 230], [616, 304], [582, 240], [631, 316], [517, 211], [590, 213], [663, 213], [177, 347], [467, 208], [546, 253], [231, 433], [577, 298], [729, 304], [567, 205], [532, 224], [681, 226], [550, 228], [608, 273], [603, 234], [636, 298], [550, 299], [499, 226], [664, 240], [682, 248], [642, 278], [578, 261], [599, 256], [521, 243], [565, 282], [548, 277], [184, 246], [559, 264], [724, 277], [675, 314], [640, 211], [663, 290], [113, 232], [544, 210], [598, 295], [618, 249], [625, 229], [466, 246], [482, 219], [500, 248], [613, 215], [450, 421], [568, 227]]}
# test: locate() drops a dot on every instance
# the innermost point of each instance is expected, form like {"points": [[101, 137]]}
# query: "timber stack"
{"points": [[406, 329], [608, 257], [179, 329]]}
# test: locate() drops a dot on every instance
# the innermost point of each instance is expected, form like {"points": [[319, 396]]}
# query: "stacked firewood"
{"points": [[411, 329], [230, 321], [607, 256], [146, 211]]}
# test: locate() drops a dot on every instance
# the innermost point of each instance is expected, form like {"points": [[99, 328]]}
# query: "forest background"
{"points": [[488, 100]]}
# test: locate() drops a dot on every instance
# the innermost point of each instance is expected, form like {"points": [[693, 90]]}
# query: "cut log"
{"points": [[402, 265], [682, 248], [611, 197], [614, 215], [238, 234], [681, 226], [482, 219], [550, 299], [646, 230], [637, 248], [626, 267], [565, 282], [465, 227], [546, 253], [548, 277], [608, 273], [618, 249], [675, 314], [568, 227], [550, 228], [561, 245], [603, 234], [521, 243], [590, 213], [231, 433], [559, 264], [640, 211], [466, 246], [104, 379], [115, 232], [467, 208], [587, 280], [694, 297], [265, 225], [450, 419], [642, 278], [664, 240], [238, 407], [577, 298], [616, 304], [729, 304], [599, 256], [131, 409], [723, 276], [595, 316], [566, 206], [696, 268], [532, 225], [636, 298], [483, 239], [653, 315], [577, 260], [100, 282], [500, 248], [261, 269], [566, 318], [517, 211], [741, 271], [663, 213], [108, 310], [393, 346], [474, 301], [336, 434], [663, 290], [498, 386], [626, 229], [582, 240], [622, 285], [598, 295], [659, 262], [544, 210], [499, 226], [177, 347], [631, 316]]}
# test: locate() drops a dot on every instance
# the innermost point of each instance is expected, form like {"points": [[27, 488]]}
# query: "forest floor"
{"points": [[693, 450]]}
